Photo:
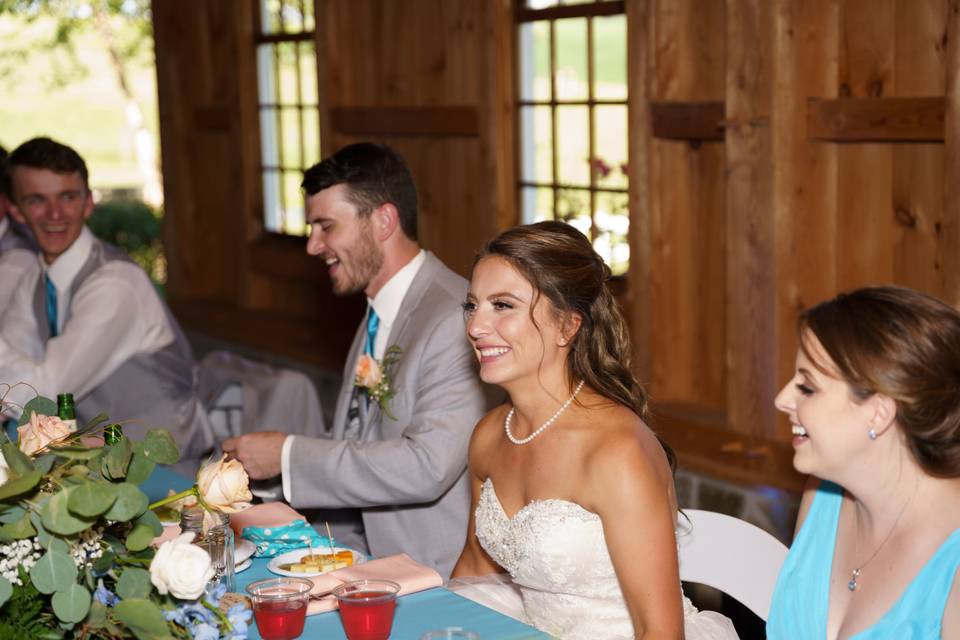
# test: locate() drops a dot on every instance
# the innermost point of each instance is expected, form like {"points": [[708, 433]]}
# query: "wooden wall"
{"points": [[781, 151]]}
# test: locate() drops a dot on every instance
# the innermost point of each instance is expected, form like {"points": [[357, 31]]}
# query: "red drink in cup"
{"points": [[367, 607], [280, 606]]}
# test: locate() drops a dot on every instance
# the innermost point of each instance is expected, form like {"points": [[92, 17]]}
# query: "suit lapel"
{"points": [[346, 387]]}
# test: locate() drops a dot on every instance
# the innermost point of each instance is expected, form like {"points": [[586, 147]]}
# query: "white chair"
{"points": [[729, 554]]}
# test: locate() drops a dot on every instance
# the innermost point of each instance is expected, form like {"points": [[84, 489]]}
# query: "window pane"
{"points": [[610, 147], [610, 57], [294, 219], [287, 63], [272, 216], [573, 206], [536, 131], [308, 20], [537, 204], [311, 137], [573, 146], [292, 16], [269, 153], [571, 55], [540, 4], [290, 130], [612, 220], [266, 79], [270, 16], [308, 74], [535, 61]]}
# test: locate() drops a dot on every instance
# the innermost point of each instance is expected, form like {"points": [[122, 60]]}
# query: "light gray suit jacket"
{"points": [[407, 475]]}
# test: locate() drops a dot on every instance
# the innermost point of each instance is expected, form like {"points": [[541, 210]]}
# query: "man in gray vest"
{"points": [[13, 235], [390, 474], [85, 319]]}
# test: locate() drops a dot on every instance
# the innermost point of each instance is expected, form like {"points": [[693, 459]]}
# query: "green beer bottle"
{"points": [[112, 433], [66, 410]]}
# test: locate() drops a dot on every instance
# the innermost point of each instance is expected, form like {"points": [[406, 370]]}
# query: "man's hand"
{"points": [[259, 452]]}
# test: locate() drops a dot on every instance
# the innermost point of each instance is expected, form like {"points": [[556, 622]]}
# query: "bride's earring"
{"points": [[872, 434]]}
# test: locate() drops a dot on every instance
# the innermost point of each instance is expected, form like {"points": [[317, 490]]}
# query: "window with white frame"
{"points": [[289, 109], [572, 112]]}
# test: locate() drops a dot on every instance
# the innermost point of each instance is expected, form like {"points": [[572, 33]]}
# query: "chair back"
{"points": [[729, 554]]}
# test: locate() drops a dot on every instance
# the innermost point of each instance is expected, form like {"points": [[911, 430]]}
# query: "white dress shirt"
{"points": [[387, 305], [114, 315]]}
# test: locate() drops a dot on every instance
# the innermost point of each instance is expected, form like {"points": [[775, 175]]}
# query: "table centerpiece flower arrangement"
{"points": [[76, 534]]}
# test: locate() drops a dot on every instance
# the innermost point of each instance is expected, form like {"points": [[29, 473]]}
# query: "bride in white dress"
{"points": [[573, 493]]}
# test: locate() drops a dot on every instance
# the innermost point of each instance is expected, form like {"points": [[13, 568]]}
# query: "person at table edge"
{"points": [[84, 318], [387, 483]]}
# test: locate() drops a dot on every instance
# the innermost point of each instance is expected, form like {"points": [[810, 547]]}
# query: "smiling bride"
{"points": [[573, 493]]}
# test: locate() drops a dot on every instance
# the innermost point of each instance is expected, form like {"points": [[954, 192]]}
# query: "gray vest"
{"points": [[147, 391]]}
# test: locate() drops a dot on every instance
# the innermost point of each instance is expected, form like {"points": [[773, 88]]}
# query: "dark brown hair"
{"points": [[562, 266], [44, 153], [375, 174], [905, 345]]}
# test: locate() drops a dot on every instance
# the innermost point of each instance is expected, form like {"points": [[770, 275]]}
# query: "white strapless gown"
{"points": [[563, 581]]}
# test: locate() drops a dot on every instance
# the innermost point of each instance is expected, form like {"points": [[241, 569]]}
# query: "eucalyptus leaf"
{"points": [[117, 460], [134, 583], [57, 518], [17, 530], [19, 462], [54, 571], [143, 618], [77, 453], [152, 520], [140, 465], [160, 447], [39, 405], [6, 590], [97, 420], [44, 462], [97, 617], [105, 562], [17, 486], [92, 498], [130, 503], [11, 513], [71, 604], [139, 537]]}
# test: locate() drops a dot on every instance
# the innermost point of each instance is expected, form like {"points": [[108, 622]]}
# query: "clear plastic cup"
{"points": [[280, 606], [450, 633], [367, 607]]}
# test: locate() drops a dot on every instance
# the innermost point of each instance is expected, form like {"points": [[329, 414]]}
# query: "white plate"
{"points": [[243, 550], [295, 555], [243, 566]]}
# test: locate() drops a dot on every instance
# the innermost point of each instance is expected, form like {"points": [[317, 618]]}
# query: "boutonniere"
{"points": [[374, 378]]}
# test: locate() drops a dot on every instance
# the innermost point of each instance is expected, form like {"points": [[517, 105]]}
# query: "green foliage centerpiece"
{"points": [[75, 539]]}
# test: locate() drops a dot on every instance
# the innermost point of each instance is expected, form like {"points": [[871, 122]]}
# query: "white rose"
{"points": [[181, 568], [41, 431], [4, 473], [225, 485]]}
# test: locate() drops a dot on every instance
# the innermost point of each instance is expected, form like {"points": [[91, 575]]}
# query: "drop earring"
{"points": [[872, 434]]}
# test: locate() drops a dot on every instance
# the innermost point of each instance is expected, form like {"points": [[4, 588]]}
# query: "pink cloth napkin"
{"points": [[402, 569]]}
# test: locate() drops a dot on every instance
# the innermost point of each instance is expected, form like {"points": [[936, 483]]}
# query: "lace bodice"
{"points": [[556, 553]]}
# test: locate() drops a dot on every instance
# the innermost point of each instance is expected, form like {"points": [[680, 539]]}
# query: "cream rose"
{"points": [[368, 372], [224, 485], [41, 431], [4, 473], [181, 568]]}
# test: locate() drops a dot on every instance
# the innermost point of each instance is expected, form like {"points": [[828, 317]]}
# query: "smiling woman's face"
{"points": [[829, 424], [508, 343]]}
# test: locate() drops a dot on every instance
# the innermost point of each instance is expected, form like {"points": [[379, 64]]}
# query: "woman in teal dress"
{"points": [[875, 410]]}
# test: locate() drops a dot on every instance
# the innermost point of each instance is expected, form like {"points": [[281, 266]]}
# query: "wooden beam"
{"points": [[406, 121], [949, 240], [695, 121], [610, 8], [876, 119]]}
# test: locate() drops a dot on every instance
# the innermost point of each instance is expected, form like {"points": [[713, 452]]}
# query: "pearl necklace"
{"points": [[545, 425]]}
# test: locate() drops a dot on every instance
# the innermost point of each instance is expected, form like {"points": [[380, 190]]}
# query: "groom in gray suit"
{"points": [[392, 467]]}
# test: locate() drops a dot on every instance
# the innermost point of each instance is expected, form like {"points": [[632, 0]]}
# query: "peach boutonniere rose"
{"points": [[373, 377]]}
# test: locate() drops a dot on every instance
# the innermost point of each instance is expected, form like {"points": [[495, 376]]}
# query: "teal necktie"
{"points": [[51, 306], [373, 323]]}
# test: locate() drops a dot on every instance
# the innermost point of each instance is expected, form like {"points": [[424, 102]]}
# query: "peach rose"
{"points": [[225, 485], [368, 372], [41, 431]]}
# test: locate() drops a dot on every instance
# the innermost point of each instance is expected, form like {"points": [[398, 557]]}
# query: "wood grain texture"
{"points": [[694, 121], [948, 233], [890, 119]]}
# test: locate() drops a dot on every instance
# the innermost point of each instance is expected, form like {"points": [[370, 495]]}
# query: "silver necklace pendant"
{"points": [[852, 585]]}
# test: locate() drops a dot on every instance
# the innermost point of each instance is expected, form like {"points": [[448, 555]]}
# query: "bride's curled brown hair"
{"points": [[906, 345], [562, 266]]}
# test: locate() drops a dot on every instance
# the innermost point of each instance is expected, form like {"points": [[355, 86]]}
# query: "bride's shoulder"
{"points": [[490, 426], [624, 441]]}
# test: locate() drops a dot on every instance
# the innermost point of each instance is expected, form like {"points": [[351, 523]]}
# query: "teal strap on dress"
{"points": [[801, 599]]}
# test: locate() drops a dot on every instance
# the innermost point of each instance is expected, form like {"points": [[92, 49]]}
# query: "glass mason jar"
{"points": [[217, 541]]}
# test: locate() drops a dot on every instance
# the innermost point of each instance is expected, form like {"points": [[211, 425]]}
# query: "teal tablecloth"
{"points": [[416, 614], [162, 480]]}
